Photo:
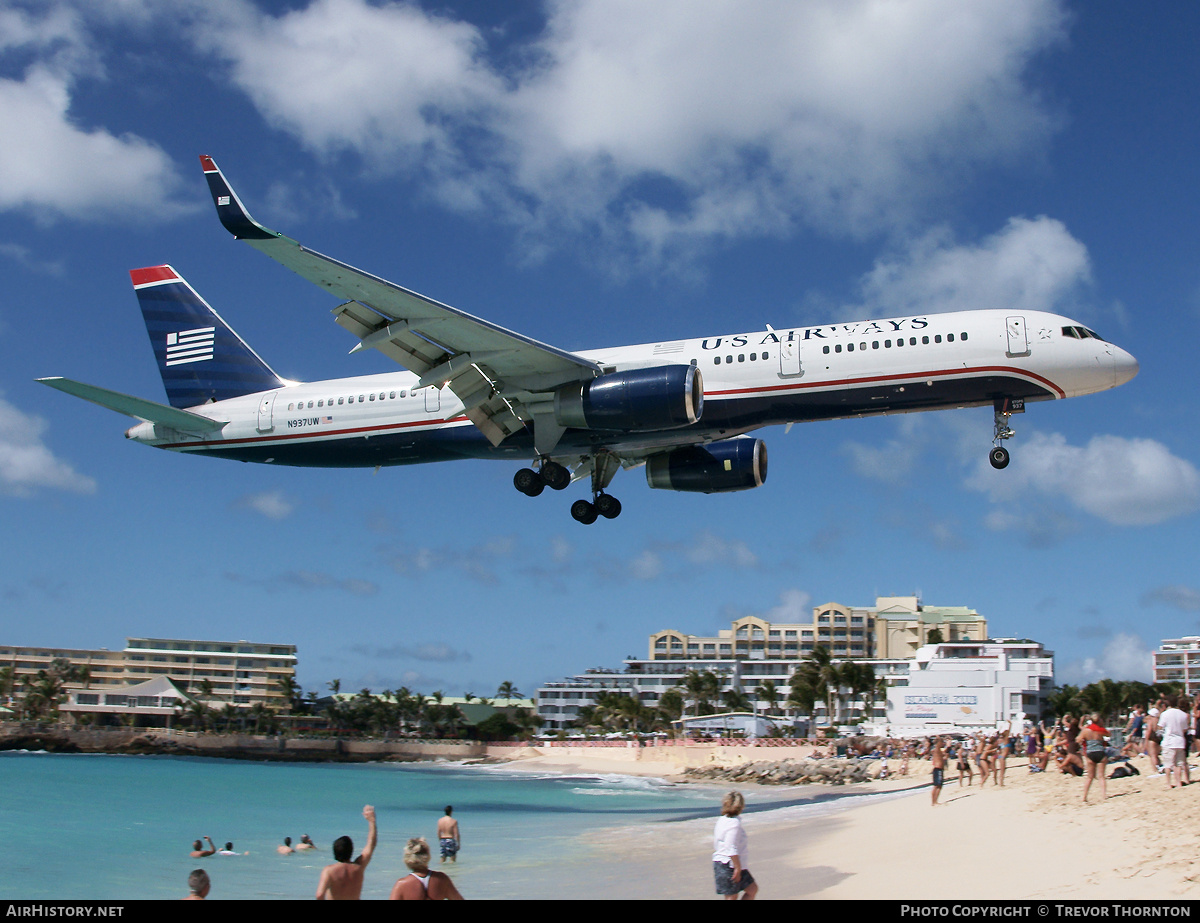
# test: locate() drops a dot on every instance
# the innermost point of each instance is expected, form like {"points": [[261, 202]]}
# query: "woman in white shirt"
{"points": [[729, 852]]}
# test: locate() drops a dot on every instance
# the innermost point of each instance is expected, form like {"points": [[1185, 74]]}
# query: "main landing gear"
{"points": [[603, 504], [552, 475], [1004, 409], [555, 476]]}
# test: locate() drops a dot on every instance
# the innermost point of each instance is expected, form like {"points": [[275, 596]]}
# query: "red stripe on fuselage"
{"points": [[309, 434], [794, 386]]}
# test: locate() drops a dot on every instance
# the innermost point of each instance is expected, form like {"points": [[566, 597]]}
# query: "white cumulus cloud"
{"points": [[1125, 657], [1029, 265], [26, 463], [50, 163], [272, 504], [660, 124], [1124, 481]]}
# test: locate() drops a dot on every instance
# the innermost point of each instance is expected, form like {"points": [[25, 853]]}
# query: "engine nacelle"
{"points": [[731, 464], [636, 401]]}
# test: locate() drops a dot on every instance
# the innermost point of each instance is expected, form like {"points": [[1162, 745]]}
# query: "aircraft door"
{"points": [[789, 358], [433, 400], [266, 412], [1018, 337]]}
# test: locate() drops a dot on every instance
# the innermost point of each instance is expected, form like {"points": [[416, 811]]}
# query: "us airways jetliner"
{"points": [[472, 389]]}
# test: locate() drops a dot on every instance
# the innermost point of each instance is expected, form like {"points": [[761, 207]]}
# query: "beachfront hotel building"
{"points": [[1177, 660], [240, 673], [894, 628], [886, 635]]}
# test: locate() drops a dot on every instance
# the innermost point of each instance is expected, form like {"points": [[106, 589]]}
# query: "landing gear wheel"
{"points": [[608, 506], [998, 457], [583, 511], [528, 482], [555, 475]]}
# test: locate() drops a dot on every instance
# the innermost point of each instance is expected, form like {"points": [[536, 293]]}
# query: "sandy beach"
{"points": [[1032, 839]]}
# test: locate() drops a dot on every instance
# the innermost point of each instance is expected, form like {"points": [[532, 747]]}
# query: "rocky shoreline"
{"points": [[790, 772]]}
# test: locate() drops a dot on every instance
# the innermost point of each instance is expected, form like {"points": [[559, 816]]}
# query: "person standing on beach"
{"points": [[448, 835], [422, 884], [1154, 736], [343, 880], [1173, 723], [1003, 749], [963, 764], [198, 850], [198, 885], [1096, 752], [729, 852], [938, 758]]}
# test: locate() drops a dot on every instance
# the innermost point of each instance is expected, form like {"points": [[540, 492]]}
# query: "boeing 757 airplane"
{"points": [[472, 389]]}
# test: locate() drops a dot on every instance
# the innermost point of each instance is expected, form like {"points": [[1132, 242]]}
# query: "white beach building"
{"points": [[154, 703], [1177, 660], [966, 686]]}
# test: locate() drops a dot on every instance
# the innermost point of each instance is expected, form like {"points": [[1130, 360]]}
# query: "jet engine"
{"points": [[731, 464], [638, 400]]}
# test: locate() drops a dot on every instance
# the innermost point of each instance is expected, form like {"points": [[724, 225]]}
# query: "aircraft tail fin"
{"points": [[200, 357]]}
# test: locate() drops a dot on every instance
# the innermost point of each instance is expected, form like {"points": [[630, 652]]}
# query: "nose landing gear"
{"points": [[1004, 409]]}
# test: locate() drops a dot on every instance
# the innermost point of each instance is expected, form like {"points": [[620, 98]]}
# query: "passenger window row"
{"points": [[887, 344], [754, 357], [382, 395]]}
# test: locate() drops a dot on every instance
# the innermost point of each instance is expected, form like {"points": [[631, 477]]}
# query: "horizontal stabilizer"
{"points": [[139, 408]]}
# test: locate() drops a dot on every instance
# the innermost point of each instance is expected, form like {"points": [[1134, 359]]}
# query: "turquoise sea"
{"points": [[76, 826]]}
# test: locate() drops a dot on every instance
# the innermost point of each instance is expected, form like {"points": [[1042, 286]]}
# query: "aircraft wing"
{"points": [[503, 378], [140, 409]]}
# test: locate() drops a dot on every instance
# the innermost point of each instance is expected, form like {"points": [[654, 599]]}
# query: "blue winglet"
{"points": [[233, 214]]}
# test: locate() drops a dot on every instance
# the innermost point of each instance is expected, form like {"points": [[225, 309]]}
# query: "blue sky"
{"points": [[591, 174]]}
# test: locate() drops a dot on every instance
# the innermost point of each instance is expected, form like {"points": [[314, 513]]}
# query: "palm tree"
{"points": [[48, 687], [768, 692], [702, 689], [817, 678], [803, 695], [290, 689], [1063, 700], [8, 682], [198, 714], [671, 704], [736, 700], [204, 688], [508, 692], [262, 716], [860, 677]]}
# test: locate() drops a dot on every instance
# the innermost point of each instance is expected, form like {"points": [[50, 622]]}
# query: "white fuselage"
{"points": [[751, 380]]}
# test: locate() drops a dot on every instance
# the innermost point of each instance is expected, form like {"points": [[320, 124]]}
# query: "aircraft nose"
{"points": [[1125, 367]]}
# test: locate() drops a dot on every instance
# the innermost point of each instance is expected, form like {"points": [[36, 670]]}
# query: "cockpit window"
{"points": [[1081, 333]]}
